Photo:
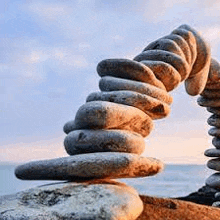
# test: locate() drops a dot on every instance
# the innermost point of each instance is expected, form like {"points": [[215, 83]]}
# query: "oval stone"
{"points": [[91, 141], [108, 84], [207, 102], [214, 120], [175, 60], [109, 115], [89, 166], [214, 132], [214, 110], [216, 142], [128, 69], [211, 93], [212, 152], [151, 106], [213, 181], [214, 164]]}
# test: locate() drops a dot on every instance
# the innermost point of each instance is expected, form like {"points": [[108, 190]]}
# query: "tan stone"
{"points": [[128, 69], [108, 115], [165, 72], [176, 61], [91, 141], [151, 106], [89, 166], [108, 83]]}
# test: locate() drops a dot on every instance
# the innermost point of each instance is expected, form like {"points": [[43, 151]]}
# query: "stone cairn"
{"points": [[107, 136]]}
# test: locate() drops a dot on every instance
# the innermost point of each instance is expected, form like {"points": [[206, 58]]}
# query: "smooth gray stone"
{"points": [[214, 132], [214, 180], [99, 200], [165, 72], [175, 60], [90, 166], [214, 120], [217, 196], [69, 126], [214, 110], [207, 102], [109, 115], [211, 93], [216, 142], [108, 84], [128, 69], [213, 152], [90, 141], [214, 164], [216, 204], [156, 109]]}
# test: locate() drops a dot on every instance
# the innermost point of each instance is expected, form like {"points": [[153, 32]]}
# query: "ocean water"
{"points": [[175, 180]]}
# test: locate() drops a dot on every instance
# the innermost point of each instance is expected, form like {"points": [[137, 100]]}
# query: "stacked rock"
{"points": [[210, 98], [107, 135]]}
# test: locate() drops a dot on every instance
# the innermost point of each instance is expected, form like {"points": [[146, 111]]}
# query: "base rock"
{"points": [[99, 200]]}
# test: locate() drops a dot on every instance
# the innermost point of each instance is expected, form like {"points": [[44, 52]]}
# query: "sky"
{"points": [[48, 58]]}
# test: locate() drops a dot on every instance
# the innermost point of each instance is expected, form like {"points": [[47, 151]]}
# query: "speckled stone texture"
{"points": [[91, 141], [90, 166], [109, 200]]}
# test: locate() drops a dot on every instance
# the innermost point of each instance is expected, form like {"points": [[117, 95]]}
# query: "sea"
{"points": [[175, 180]]}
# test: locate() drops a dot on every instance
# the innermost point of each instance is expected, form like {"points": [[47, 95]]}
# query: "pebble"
{"points": [[207, 102], [108, 84], [185, 47], [90, 166], [216, 204], [165, 72], [217, 195], [214, 120], [214, 180], [69, 126], [213, 152], [216, 142], [214, 132], [167, 45], [109, 115], [214, 75], [198, 76], [91, 141], [128, 69], [151, 106], [214, 164], [211, 93], [214, 110], [176, 61], [100, 199]]}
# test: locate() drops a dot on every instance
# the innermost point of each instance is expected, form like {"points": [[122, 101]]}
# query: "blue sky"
{"points": [[49, 52]]}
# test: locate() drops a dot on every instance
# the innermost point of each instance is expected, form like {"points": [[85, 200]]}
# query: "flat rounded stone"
{"points": [[109, 115], [211, 93], [91, 141], [214, 120], [214, 110], [189, 37], [89, 166], [101, 199], [165, 72], [69, 126], [214, 164], [214, 75], [128, 69], [108, 84], [216, 142], [212, 152], [198, 76], [151, 106], [214, 180], [214, 132], [167, 45], [207, 102], [175, 60], [183, 45]]}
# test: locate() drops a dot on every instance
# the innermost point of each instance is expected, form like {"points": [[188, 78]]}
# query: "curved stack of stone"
{"points": [[106, 137], [210, 98]]}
